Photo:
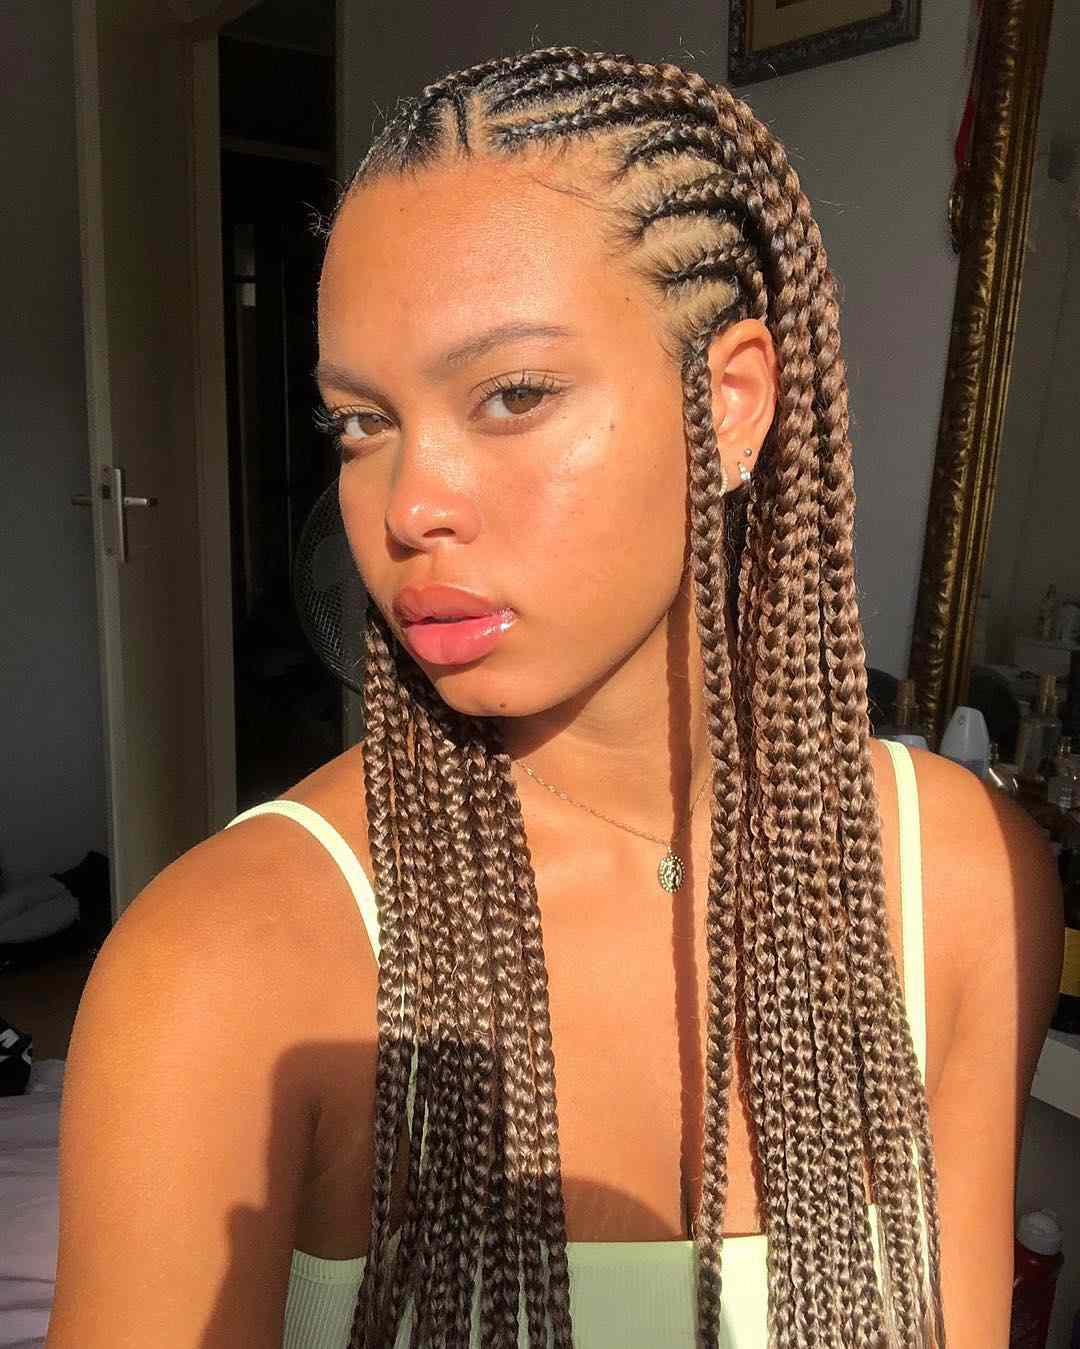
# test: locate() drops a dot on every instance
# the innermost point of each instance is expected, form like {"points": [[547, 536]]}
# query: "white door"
{"points": [[146, 120]]}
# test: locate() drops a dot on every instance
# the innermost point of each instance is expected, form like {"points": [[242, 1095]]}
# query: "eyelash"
{"points": [[331, 421], [523, 383]]}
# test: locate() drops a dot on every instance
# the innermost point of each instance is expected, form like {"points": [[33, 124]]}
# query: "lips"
{"points": [[444, 625], [417, 604]]}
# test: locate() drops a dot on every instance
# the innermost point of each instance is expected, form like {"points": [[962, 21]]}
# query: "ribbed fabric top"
{"points": [[629, 1294]]}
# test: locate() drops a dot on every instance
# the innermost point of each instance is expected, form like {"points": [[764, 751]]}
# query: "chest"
{"points": [[627, 970]]}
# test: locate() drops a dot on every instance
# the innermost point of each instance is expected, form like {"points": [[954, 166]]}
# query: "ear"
{"points": [[744, 369]]}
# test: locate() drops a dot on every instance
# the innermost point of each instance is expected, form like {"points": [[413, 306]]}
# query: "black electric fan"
{"points": [[330, 597]]}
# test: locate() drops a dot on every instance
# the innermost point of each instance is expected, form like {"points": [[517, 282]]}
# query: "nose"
{"points": [[425, 509]]}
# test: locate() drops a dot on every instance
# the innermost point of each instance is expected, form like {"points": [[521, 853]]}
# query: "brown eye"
{"points": [[361, 425], [522, 399], [514, 401]]}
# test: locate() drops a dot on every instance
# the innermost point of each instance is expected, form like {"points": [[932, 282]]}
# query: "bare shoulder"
{"points": [[988, 865], [196, 1090], [993, 898], [263, 897]]}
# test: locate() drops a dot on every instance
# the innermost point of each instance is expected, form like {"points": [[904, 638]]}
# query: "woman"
{"points": [[579, 349]]}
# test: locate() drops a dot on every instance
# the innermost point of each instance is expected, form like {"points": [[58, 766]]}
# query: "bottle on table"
{"points": [[1070, 711], [1037, 1263], [1000, 773], [1061, 772], [1067, 1014], [1039, 730]]}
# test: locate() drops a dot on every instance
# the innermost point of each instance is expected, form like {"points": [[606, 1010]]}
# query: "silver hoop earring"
{"points": [[723, 480]]}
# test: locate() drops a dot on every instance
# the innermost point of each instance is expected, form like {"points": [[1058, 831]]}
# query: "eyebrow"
{"points": [[500, 335], [327, 372]]}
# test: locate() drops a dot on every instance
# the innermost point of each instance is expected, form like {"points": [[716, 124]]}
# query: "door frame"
{"points": [[203, 22], [209, 325], [211, 421]]}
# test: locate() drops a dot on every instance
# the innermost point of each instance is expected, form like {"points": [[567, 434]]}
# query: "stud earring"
{"points": [[748, 451]]}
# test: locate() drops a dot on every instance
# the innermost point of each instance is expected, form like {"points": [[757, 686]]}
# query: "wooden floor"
{"points": [[44, 1000]]}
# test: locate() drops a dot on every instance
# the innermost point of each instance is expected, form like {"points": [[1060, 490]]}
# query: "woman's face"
{"points": [[511, 426]]}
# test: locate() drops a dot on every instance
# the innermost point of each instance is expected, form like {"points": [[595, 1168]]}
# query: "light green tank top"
{"points": [[630, 1294]]}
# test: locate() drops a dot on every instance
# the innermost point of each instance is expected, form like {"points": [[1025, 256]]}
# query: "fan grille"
{"points": [[330, 597]]}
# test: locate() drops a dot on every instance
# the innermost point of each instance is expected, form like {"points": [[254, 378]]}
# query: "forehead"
{"points": [[434, 254]]}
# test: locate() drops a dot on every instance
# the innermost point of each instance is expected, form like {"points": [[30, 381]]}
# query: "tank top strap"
{"points": [[355, 878], [911, 895], [347, 861]]}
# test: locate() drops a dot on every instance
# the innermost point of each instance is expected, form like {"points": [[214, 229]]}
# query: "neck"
{"points": [[635, 746]]}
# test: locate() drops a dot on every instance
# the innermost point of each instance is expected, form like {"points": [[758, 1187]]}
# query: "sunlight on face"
{"points": [[510, 423]]}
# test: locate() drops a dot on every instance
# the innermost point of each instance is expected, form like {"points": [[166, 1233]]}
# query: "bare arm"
{"points": [[990, 866], [187, 1117]]}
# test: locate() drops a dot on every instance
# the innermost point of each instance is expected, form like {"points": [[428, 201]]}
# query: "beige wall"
{"points": [[52, 787]]}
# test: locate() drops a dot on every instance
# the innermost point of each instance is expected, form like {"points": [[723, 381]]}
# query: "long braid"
{"points": [[553, 1230], [531, 1197], [514, 1068], [796, 930], [706, 507], [431, 1032], [381, 709]]}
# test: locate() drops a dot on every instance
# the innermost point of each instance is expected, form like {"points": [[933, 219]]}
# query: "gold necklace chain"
{"points": [[671, 871]]}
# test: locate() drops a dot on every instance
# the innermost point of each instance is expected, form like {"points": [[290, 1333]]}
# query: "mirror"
{"points": [[1004, 512]]}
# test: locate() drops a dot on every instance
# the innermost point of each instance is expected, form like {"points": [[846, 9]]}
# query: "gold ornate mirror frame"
{"points": [[989, 215]]}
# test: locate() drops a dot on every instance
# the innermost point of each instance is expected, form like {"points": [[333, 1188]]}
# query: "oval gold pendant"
{"points": [[670, 872]]}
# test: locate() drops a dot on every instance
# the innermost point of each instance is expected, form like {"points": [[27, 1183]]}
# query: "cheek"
{"points": [[607, 519]]}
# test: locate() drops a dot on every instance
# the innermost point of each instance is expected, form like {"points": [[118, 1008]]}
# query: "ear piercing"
{"points": [[744, 473]]}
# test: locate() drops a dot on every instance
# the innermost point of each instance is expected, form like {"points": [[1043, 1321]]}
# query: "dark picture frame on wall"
{"points": [[775, 37]]}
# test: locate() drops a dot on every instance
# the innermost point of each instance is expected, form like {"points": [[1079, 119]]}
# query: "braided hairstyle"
{"points": [[710, 210]]}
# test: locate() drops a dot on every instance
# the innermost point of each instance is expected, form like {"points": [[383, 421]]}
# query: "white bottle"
{"points": [[966, 740]]}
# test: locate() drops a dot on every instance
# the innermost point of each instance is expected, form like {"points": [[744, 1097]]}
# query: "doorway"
{"points": [[276, 67]]}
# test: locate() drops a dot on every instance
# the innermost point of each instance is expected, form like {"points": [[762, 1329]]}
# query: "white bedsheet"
{"points": [[28, 1206]]}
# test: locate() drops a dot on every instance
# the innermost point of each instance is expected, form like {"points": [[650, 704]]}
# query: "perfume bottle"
{"points": [[1060, 771], [1039, 729], [1001, 773], [1070, 712]]}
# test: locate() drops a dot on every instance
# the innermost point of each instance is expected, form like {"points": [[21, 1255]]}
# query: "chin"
{"points": [[477, 691]]}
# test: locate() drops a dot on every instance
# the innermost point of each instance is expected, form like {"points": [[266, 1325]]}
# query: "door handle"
{"points": [[111, 487]]}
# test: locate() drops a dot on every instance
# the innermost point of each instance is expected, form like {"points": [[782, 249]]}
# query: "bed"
{"points": [[28, 1206]]}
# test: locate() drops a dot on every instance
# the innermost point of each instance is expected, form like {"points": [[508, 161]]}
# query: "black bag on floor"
{"points": [[15, 1058]]}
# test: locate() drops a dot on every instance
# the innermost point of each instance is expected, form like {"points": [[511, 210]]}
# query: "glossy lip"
{"points": [[412, 604], [460, 641]]}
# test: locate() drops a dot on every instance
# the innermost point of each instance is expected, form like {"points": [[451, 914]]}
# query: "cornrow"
{"points": [[797, 940]]}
